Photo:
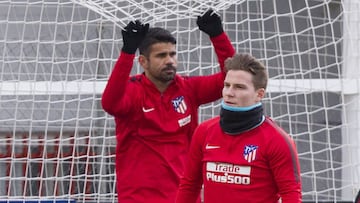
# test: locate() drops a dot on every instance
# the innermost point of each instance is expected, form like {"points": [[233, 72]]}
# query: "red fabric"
{"points": [[152, 135], [218, 161]]}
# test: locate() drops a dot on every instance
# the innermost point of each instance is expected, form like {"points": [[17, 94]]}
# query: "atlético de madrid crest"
{"points": [[250, 152], [179, 104]]}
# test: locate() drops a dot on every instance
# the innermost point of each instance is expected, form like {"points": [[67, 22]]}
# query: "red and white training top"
{"points": [[154, 129], [260, 165]]}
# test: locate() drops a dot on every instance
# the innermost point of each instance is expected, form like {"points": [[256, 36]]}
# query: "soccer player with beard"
{"points": [[242, 155], [156, 112]]}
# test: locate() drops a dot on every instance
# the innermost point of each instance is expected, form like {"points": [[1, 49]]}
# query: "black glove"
{"points": [[210, 23], [133, 34]]}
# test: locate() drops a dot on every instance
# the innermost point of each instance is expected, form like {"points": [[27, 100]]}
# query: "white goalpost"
{"points": [[57, 144]]}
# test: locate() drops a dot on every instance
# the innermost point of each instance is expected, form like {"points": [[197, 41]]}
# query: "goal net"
{"points": [[56, 142]]}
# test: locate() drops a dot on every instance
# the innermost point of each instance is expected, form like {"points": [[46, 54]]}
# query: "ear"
{"points": [[260, 94], [143, 61]]}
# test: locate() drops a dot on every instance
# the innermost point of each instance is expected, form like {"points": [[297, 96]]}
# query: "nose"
{"points": [[170, 59], [228, 92]]}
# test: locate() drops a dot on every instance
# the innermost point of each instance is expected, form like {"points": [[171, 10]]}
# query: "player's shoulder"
{"points": [[272, 129], [210, 123], [184, 82], [271, 125], [207, 127], [180, 79], [136, 78]]}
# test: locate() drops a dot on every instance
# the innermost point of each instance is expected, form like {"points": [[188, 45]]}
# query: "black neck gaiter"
{"points": [[235, 122]]}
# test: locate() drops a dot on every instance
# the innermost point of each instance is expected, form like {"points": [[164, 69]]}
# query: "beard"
{"points": [[167, 74]]}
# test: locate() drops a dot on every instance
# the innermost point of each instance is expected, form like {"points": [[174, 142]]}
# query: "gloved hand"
{"points": [[210, 23], [133, 34]]}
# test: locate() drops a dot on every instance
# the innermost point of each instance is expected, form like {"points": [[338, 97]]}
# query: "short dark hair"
{"points": [[250, 64], [153, 36]]}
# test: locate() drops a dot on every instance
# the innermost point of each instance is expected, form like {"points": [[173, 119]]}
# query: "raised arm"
{"points": [[211, 24], [114, 91]]}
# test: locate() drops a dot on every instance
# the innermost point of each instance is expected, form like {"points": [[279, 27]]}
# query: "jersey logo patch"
{"points": [[212, 146], [184, 121], [179, 104], [250, 152], [147, 110]]}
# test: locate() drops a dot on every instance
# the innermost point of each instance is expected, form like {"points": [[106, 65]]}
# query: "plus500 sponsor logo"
{"points": [[226, 178], [228, 173]]}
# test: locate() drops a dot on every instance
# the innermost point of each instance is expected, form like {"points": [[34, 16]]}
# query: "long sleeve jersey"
{"points": [[154, 129], [259, 165]]}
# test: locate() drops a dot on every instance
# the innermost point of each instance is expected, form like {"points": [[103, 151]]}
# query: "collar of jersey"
{"points": [[239, 108], [151, 84]]}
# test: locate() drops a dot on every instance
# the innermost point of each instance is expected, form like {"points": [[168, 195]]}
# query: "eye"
{"points": [[162, 55], [172, 54], [239, 87]]}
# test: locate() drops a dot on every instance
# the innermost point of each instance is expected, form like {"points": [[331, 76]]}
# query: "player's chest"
{"points": [[247, 149], [171, 109], [173, 104]]}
